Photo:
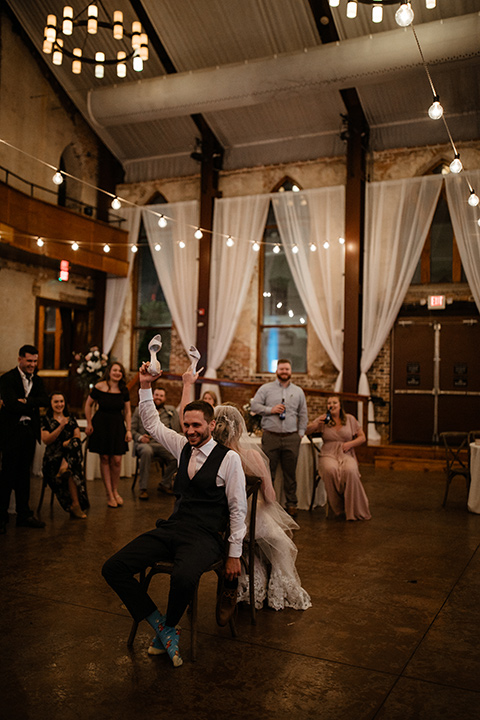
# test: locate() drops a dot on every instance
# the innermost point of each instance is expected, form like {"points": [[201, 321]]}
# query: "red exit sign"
{"points": [[436, 302]]}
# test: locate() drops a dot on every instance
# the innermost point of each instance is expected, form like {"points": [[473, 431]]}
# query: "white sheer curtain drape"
{"points": [[177, 268], [116, 290], [465, 226], [317, 216], [244, 219], [398, 217]]}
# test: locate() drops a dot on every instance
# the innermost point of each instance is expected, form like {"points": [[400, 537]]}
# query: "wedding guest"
{"points": [[338, 463], [22, 393], [63, 459], [210, 397], [109, 429]]}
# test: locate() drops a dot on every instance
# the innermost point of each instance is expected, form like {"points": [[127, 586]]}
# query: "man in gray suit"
{"points": [[148, 449]]}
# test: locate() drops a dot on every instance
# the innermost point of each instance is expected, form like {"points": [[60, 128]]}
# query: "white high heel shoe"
{"points": [[195, 357], [154, 347]]}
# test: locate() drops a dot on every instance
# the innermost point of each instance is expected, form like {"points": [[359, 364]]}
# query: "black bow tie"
{"points": [[29, 377]]}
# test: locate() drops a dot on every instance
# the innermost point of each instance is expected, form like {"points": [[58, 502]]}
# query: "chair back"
{"points": [[456, 446]]}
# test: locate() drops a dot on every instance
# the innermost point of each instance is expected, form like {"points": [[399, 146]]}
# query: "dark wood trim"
{"points": [[324, 21], [357, 145]]}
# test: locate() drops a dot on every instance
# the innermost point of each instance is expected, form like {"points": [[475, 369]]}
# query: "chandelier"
{"points": [[403, 16], [54, 40]]}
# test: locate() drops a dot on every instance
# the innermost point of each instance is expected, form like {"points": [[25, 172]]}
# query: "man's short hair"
{"points": [[30, 349], [203, 406], [159, 387], [284, 360]]}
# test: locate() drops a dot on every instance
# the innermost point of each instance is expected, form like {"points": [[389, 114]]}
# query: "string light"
{"points": [[75, 246], [473, 199], [326, 244], [116, 204], [404, 15], [58, 178], [181, 244], [106, 248], [313, 247], [134, 249], [435, 111], [162, 221], [456, 164], [341, 240], [276, 249], [256, 247], [230, 241], [295, 249], [198, 234], [40, 242], [158, 247]]}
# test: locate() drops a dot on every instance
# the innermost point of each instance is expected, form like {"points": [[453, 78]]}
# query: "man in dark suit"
{"points": [[22, 393]]}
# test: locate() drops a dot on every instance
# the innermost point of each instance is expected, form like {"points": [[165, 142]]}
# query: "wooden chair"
{"points": [[316, 475], [456, 458], [166, 568], [250, 544]]}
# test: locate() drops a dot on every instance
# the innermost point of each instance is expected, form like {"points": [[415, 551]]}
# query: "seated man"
{"points": [[148, 449], [210, 491]]}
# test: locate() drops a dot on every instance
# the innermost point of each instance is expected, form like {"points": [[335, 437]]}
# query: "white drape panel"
{"points": [[116, 289], [177, 268], [465, 226], [244, 218], [316, 216], [398, 217]]}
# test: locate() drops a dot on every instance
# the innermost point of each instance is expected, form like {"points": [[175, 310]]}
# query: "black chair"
{"points": [[156, 460], [316, 475], [166, 568], [457, 458], [250, 544]]}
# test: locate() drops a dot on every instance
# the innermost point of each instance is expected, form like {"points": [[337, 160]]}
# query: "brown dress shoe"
{"points": [[226, 606], [292, 510], [143, 495]]}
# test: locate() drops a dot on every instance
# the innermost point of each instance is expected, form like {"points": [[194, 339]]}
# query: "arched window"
{"points": [[282, 326], [440, 260], [151, 315]]}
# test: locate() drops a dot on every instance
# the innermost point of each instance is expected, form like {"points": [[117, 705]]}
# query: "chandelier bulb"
{"points": [[334, 3], [473, 200], [404, 15], [377, 13], [456, 165], [352, 9], [435, 111], [430, 4]]}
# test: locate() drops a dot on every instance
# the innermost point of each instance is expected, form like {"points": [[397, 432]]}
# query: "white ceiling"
{"points": [[265, 111]]}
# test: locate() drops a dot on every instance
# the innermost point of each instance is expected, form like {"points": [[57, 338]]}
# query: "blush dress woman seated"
{"points": [[63, 459], [337, 464]]}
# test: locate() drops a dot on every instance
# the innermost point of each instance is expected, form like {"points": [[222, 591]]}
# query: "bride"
{"points": [[281, 586]]}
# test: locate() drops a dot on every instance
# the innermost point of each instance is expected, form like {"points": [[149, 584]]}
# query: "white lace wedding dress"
{"points": [[276, 577]]}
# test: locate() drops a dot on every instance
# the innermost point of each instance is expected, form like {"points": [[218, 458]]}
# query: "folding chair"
{"points": [[456, 458]]}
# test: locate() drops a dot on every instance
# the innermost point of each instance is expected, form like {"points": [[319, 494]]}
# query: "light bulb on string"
{"points": [[404, 15], [181, 244], [230, 241], [158, 247], [326, 244], [295, 249], [116, 204], [473, 199], [134, 249], [435, 111], [162, 221], [106, 248], [313, 247], [341, 240], [75, 246], [255, 247], [40, 242], [456, 164], [198, 234], [58, 178], [276, 249]]}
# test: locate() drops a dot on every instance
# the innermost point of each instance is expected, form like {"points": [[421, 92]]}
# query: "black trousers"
{"points": [[17, 457], [191, 549]]}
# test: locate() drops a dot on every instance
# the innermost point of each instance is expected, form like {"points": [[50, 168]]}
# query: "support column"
{"points": [[357, 144], [211, 159]]}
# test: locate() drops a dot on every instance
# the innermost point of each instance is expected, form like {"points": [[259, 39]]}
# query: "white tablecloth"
{"points": [[473, 503], [304, 477]]}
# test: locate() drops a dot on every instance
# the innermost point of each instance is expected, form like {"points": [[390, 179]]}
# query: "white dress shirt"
{"points": [[230, 473]]}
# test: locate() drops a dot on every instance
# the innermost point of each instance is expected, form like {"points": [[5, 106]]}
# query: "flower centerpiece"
{"points": [[91, 367]]}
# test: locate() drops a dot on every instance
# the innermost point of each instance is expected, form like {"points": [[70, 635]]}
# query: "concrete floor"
{"points": [[394, 631]]}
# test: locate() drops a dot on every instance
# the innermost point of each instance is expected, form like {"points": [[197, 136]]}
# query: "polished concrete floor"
{"points": [[394, 631]]}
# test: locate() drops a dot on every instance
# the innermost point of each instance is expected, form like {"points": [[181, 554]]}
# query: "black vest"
{"points": [[200, 501]]}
